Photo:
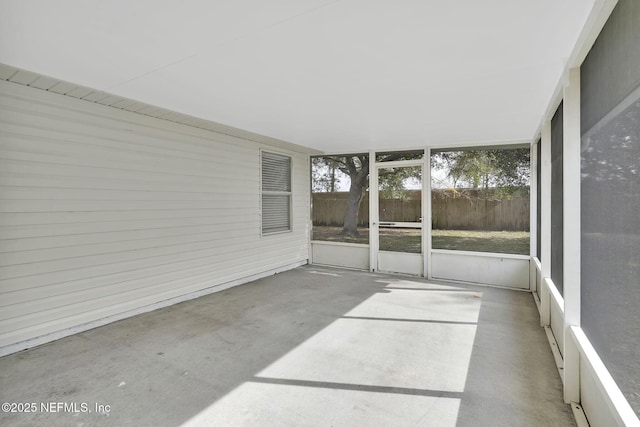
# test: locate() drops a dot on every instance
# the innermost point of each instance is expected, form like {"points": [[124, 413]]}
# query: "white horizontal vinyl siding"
{"points": [[103, 211]]}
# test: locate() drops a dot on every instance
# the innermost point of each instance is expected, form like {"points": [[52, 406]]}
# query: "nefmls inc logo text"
{"points": [[73, 407], [53, 407]]}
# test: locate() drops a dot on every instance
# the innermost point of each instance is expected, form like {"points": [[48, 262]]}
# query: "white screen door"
{"points": [[399, 218]]}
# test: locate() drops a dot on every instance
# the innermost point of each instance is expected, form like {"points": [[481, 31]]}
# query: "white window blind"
{"points": [[276, 193]]}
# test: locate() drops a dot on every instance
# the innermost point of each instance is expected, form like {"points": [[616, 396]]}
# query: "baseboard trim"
{"points": [[53, 336]]}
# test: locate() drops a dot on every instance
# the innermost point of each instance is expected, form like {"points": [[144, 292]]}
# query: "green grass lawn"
{"points": [[408, 240], [505, 242]]}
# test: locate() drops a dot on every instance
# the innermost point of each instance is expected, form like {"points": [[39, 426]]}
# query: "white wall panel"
{"points": [[401, 262], [477, 267], [341, 255], [592, 400], [105, 212], [557, 321]]}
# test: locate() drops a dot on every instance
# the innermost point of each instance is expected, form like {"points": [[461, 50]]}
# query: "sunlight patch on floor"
{"points": [[257, 404], [412, 284], [382, 353], [401, 357]]}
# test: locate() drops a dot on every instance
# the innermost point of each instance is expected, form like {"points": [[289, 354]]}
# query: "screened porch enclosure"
{"points": [[427, 213], [320, 212]]}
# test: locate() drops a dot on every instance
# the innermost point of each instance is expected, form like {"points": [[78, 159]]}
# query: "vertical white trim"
{"points": [[533, 211], [310, 211], [545, 182], [373, 213], [426, 213], [533, 196], [545, 221], [571, 231]]}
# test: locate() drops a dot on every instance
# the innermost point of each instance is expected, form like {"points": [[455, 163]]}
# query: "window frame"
{"points": [[288, 194]]}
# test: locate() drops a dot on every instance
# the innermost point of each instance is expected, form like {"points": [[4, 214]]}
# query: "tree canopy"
{"points": [[505, 169]]}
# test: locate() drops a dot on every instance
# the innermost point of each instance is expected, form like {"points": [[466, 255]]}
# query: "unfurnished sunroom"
{"points": [[433, 181]]}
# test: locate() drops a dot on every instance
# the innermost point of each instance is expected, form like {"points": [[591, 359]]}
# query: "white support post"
{"points": [[533, 223], [545, 222], [373, 213], [426, 213], [571, 233], [310, 214]]}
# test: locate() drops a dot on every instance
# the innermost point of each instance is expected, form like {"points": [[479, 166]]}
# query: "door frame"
{"points": [[374, 214]]}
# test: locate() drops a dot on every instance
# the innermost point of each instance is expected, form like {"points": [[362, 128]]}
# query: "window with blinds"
{"points": [[276, 193]]}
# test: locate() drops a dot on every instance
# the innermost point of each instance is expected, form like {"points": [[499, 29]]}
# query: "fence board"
{"points": [[453, 213]]}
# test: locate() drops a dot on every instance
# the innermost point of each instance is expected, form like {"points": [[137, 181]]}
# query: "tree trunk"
{"points": [[356, 194], [333, 178]]}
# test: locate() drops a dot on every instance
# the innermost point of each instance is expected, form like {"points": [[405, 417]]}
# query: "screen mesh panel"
{"points": [[340, 198], [610, 197], [480, 200], [612, 68], [539, 200], [556, 199]]}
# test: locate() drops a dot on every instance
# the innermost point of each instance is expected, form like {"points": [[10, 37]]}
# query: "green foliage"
{"points": [[329, 173], [397, 183], [504, 170], [325, 174], [356, 168]]}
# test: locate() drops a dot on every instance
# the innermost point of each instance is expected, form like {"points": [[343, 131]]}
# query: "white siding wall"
{"points": [[103, 212]]}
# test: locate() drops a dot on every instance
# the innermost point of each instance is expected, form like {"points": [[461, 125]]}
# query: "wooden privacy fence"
{"points": [[480, 214], [330, 208], [453, 213]]}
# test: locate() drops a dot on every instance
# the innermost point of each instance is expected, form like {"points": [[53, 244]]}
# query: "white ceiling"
{"points": [[334, 75]]}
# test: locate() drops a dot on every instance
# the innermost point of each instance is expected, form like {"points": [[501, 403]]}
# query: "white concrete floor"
{"points": [[314, 346]]}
